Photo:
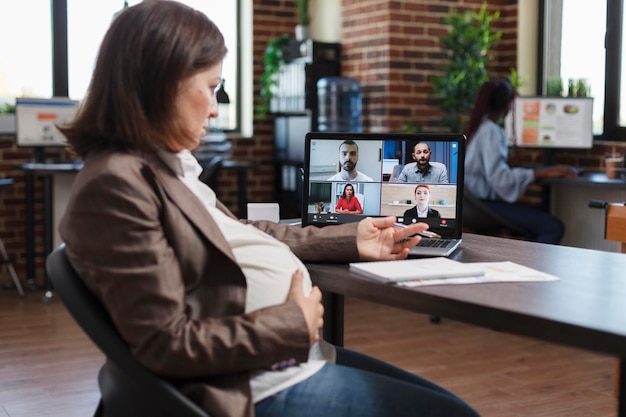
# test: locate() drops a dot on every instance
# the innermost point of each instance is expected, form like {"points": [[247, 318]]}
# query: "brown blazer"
{"points": [[146, 246]]}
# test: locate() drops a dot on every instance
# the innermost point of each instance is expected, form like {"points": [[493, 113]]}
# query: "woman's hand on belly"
{"points": [[311, 305]]}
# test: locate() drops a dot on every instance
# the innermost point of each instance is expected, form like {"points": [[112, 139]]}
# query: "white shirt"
{"points": [[267, 265], [345, 176]]}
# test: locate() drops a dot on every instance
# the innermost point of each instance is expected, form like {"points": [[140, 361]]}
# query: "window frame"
{"points": [[612, 131], [60, 63], [613, 47]]}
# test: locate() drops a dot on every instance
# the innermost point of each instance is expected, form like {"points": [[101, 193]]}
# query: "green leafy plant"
{"points": [[515, 80], [303, 12], [7, 108], [273, 60], [410, 127], [468, 43], [582, 88], [554, 87]]}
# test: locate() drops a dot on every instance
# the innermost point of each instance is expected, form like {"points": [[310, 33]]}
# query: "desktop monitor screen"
{"points": [[36, 120], [551, 122]]}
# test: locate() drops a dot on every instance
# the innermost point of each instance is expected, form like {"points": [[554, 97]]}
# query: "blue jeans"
{"points": [[543, 227], [361, 386]]}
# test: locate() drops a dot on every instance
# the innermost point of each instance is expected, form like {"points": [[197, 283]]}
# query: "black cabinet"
{"points": [[295, 108]]}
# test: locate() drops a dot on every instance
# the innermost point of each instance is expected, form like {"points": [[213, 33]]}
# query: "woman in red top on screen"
{"points": [[348, 203]]}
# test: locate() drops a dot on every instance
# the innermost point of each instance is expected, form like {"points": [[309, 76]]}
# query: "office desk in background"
{"points": [[569, 201], [57, 180], [585, 309], [242, 168]]}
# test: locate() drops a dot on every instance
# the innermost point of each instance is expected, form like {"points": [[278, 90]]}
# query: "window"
{"points": [[582, 42], [26, 52], [76, 29]]}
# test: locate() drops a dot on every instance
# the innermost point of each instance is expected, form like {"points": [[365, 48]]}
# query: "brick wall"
{"points": [[393, 49]]}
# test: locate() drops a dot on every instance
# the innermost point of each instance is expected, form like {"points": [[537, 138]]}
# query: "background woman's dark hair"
{"points": [[493, 96], [344, 190], [148, 50]]}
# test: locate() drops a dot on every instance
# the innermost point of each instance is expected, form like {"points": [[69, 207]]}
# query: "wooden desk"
{"points": [[585, 309]]}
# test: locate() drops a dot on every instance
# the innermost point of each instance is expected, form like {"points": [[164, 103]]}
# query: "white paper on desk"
{"points": [[494, 272], [415, 269]]}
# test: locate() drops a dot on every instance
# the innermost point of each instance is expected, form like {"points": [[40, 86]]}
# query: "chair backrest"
{"points": [[479, 218], [209, 169], [395, 173], [128, 389], [361, 198]]}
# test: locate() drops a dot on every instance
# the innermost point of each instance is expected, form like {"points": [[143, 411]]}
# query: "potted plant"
{"points": [[273, 60], [554, 86], [302, 28], [7, 118], [468, 43]]}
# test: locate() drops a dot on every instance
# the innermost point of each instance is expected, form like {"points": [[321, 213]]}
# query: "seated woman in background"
{"points": [[422, 208], [488, 175], [348, 203]]}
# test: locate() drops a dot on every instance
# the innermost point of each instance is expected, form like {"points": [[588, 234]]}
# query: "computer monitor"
{"points": [[551, 122], [36, 120]]}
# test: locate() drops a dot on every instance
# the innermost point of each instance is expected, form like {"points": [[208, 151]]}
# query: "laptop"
{"points": [[433, 195]]}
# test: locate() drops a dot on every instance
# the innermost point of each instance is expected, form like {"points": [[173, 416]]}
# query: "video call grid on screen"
{"points": [[382, 160]]}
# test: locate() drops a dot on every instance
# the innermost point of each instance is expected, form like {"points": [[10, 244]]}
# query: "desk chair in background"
{"points": [[480, 219], [361, 198], [215, 155], [209, 170], [6, 259], [395, 173], [210, 155], [615, 230], [127, 388]]}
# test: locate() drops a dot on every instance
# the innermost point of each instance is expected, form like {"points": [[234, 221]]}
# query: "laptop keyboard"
{"points": [[435, 243]]}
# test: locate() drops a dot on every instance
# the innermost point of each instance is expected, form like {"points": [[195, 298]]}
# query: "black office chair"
{"points": [[210, 155], [127, 388], [209, 170], [479, 218]]}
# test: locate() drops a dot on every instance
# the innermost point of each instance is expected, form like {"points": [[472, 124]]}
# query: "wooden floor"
{"points": [[48, 367]]}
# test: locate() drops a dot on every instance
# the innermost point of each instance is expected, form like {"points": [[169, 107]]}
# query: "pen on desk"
{"points": [[424, 233]]}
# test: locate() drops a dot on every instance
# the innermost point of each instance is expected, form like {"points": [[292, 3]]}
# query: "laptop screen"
{"points": [[415, 177]]}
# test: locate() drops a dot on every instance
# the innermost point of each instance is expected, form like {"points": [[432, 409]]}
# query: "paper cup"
{"points": [[613, 163]]}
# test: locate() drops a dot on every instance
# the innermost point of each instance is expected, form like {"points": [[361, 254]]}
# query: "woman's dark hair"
{"points": [[147, 52], [493, 96], [344, 190]]}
